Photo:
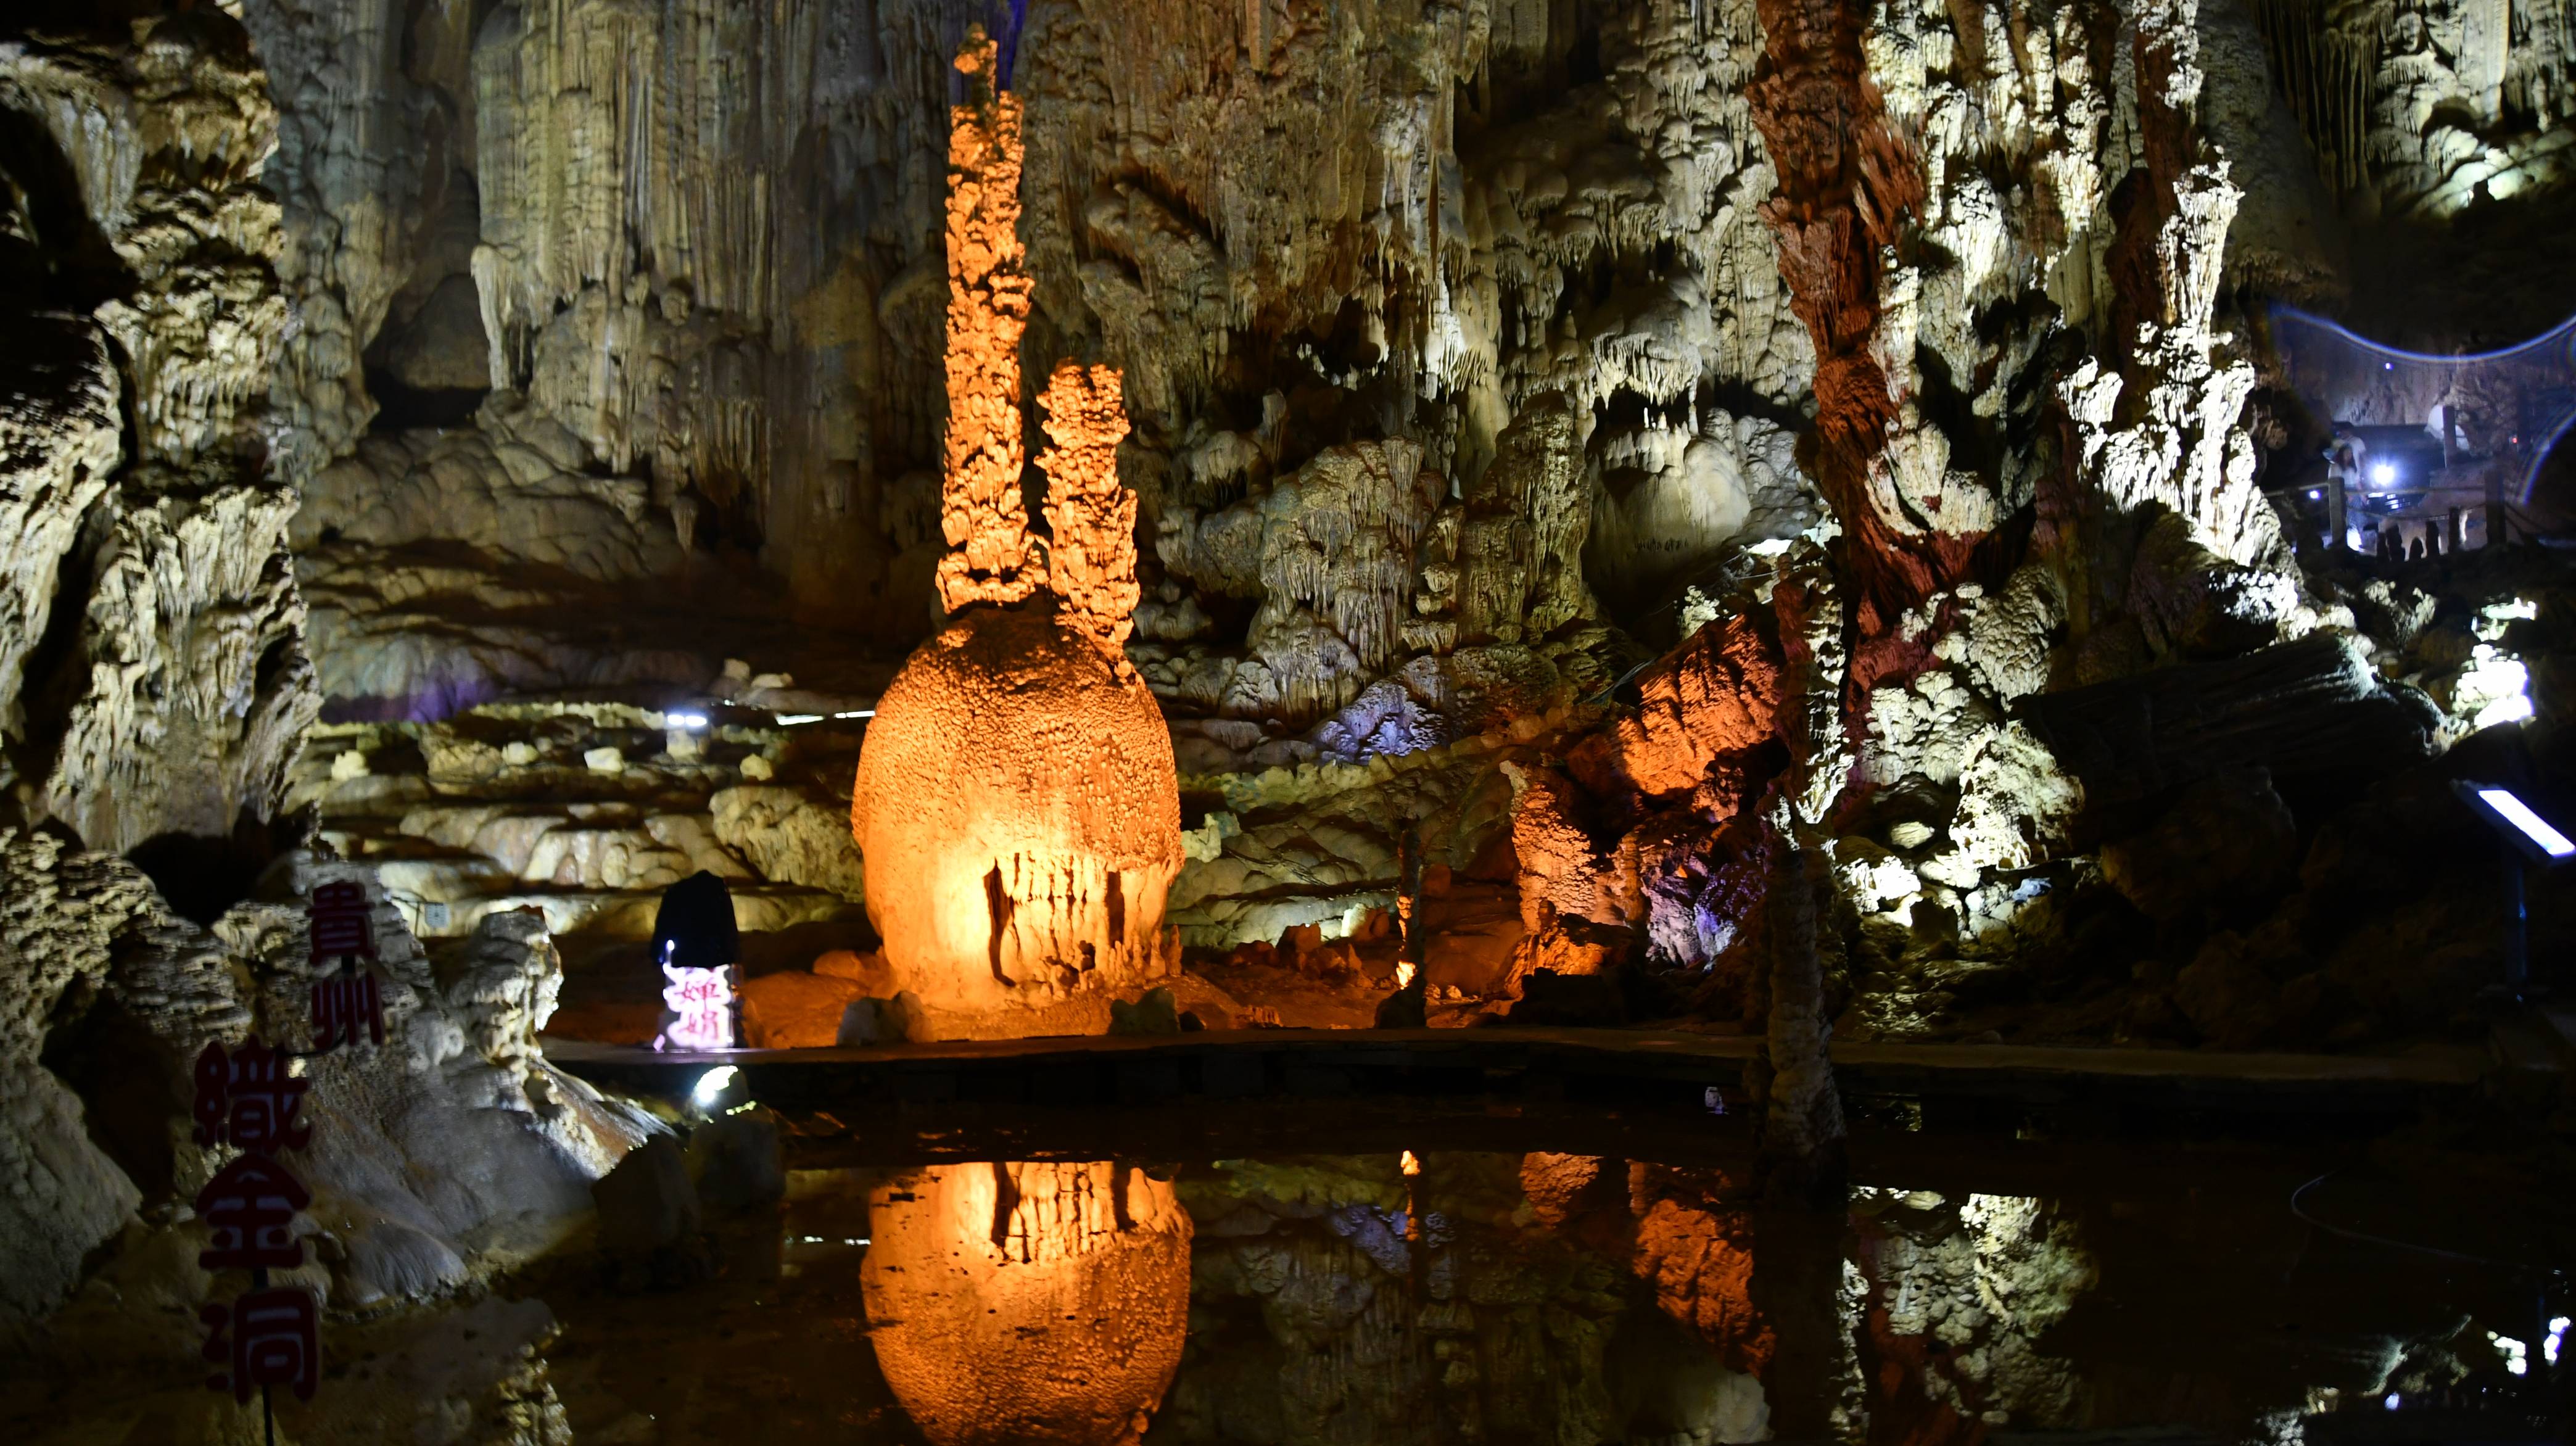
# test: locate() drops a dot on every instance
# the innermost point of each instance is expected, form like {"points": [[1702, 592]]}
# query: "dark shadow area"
{"points": [[400, 408], [53, 257], [202, 876], [124, 1076]]}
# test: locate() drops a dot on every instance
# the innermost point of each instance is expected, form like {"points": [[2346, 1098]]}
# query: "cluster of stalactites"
{"points": [[980, 508], [1091, 519]]}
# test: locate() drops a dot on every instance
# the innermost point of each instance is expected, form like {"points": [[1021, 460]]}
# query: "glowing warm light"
{"points": [[1016, 802], [703, 1001], [1410, 1165], [2514, 811], [1091, 560], [1020, 1302], [1404, 974], [712, 1085], [981, 510]]}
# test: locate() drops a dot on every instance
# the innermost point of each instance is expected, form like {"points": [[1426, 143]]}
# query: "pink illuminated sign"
{"points": [[702, 1001]]}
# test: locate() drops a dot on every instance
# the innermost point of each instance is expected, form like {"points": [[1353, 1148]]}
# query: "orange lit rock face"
{"points": [[1091, 519], [1021, 819], [1016, 800], [980, 508], [1037, 1302], [1700, 1262], [1718, 695]]}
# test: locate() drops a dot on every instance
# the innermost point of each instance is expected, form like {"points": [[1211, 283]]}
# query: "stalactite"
{"points": [[2328, 73], [1845, 181]]}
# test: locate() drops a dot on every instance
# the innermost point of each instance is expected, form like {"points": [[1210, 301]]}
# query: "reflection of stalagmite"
{"points": [[1016, 800], [1037, 1302]]}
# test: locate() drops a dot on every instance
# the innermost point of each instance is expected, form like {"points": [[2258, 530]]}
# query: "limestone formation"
{"points": [[177, 694], [1028, 1301], [981, 510], [1020, 819], [1091, 519], [1016, 798]]}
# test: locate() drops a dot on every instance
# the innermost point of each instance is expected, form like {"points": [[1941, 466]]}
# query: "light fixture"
{"points": [[2383, 474], [2534, 841], [686, 720], [1411, 1165], [712, 1085], [2531, 825]]}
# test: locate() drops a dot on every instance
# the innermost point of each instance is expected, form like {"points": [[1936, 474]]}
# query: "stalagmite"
{"points": [[1016, 801], [1091, 519], [1028, 1301], [980, 507]]}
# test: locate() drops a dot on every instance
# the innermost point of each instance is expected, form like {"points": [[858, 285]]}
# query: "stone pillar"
{"points": [[1802, 1122]]}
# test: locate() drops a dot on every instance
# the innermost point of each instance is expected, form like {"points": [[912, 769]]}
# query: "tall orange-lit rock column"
{"points": [[1026, 1302], [1016, 799]]}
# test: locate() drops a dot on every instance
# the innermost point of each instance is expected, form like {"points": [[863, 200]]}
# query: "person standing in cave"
{"points": [[694, 929]]}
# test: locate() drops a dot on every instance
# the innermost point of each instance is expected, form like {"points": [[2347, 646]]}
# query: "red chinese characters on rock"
{"points": [[348, 999], [250, 1099], [338, 925], [275, 1339], [249, 1209], [703, 1001], [246, 1098]]}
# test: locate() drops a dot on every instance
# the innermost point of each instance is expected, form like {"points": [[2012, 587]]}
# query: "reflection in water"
{"points": [[1503, 1299], [1028, 1302]]}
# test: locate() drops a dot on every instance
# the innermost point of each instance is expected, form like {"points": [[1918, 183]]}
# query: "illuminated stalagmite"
{"points": [[1016, 799], [1033, 1302]]}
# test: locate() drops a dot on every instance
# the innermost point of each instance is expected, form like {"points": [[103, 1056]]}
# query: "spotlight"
{"points": [[712, 1085], [686, 720], [2534, 840], [2383, 474], [2533, 830]]}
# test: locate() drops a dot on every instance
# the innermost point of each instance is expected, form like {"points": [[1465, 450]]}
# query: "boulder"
{"points": [[796, 1010], [648, 1215], [873, 1021], [1153, 1012], [2306, 707], [790, 837], [738, 1161], [2228, 839]]}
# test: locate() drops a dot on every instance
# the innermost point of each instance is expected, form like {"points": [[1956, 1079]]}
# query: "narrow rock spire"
{"points": [[1091, 563], [980, 508]]}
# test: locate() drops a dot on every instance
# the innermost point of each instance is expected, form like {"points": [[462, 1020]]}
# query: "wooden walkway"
{"points": [[1596, 1068]]}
